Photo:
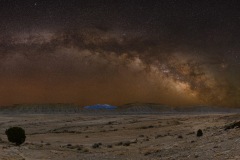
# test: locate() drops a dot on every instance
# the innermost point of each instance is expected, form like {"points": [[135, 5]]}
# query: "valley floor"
{"points": [[133, 137]]}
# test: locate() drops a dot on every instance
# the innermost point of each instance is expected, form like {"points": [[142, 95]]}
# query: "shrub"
{"points": [[95, 145], [109, 146], [16, 135], [199, 133], [126, 143], [180, 136]]}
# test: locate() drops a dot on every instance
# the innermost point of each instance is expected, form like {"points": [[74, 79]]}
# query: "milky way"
{"points": [[117, 57]]}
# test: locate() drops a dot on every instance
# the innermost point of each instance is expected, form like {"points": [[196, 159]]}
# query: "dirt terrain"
{"points": [[133, 137]]}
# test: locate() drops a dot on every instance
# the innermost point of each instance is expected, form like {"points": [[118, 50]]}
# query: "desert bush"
{"points": [[147, 153], [109, 146], [199, 133], [119, 143], [96, 145], [158, 136], [85, 150], [126, 143], [180, 136], [16, 135]]}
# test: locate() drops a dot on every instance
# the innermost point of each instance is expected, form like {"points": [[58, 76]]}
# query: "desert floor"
{"points": [[91, 137]]}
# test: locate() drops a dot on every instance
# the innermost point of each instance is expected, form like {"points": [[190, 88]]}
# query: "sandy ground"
{"points": [[136, 137]]}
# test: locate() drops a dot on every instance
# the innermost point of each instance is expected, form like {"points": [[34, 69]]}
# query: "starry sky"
{"points": [[174, 52]]}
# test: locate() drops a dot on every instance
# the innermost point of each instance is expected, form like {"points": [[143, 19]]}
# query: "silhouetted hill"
{"points": [[41, 108], [145, 108], [206, 109], [130, 108]]}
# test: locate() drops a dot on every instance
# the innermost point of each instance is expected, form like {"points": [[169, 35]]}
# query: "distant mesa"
{"points": [[146, 108], [50, 108], [206, 109], [101, 107], [130, 108]]}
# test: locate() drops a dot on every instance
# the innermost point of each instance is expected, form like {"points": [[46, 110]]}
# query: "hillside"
{"points": [[130, 108]]}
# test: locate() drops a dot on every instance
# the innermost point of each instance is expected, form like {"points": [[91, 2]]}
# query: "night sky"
{"points": [[174, 52]]}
